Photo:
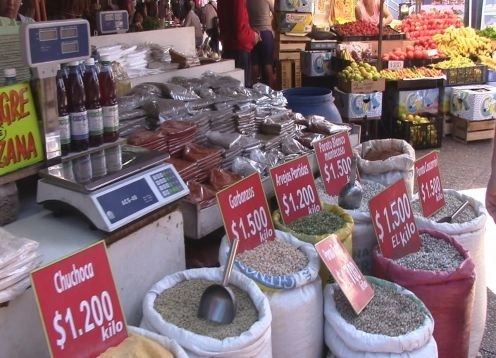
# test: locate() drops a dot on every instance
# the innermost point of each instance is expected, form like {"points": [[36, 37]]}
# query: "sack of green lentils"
{"points": [[395, 323], [363, 234], [469, 230], [287, 270], [170, 308], [442, 275], [387, 160]]}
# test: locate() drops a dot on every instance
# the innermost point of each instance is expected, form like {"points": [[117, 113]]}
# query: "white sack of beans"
{"points": [[171, 345], [295, 300], [346, 341], [255, 342], [362, 236], [387, 171], [471, 235]]}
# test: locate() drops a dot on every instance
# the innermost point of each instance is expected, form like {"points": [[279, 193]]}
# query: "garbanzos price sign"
{"points": [[345, 271], [393, 221], [295, 189], [78, 304], [334, 155], [430, 190], [246, 214]]}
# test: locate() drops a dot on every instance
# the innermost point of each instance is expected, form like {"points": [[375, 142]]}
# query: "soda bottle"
{"points": [[93, 107], [78, 116], [10, 76], [108, 97], [63, 113]]}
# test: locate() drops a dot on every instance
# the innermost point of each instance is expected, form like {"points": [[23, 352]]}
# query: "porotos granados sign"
{"points": [[20, 141]]}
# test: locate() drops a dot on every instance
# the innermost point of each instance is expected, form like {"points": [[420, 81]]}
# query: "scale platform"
{"points": [[145, 184]]}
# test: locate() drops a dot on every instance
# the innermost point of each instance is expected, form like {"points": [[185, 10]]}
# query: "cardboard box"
{"points": [[446, 92], [294, 6], [294, 22], [366, 86], [476, 103], [417, 102], [316, 63], [358, 105]]}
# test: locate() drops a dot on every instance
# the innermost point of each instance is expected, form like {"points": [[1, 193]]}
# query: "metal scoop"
{"points": [[450, 218], [218, 303], [350, 197]]}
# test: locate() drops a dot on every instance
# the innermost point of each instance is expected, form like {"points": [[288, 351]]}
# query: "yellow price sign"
{"points": [[20, 140]]}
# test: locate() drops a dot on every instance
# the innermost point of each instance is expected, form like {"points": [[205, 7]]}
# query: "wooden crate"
{"points": [[468, 131], [288, 74]]}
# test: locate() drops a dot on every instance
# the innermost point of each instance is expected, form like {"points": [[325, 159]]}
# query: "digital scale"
{"points": [[112, 22], [144, 184]]}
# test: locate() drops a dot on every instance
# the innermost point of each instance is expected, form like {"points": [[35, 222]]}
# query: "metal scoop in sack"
{"points": [[218, 303], [450, 218], [350, 197]]}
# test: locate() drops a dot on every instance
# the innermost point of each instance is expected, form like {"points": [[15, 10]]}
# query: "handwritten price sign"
{"points": [[334, 155], [78, 304], [429, 183], [246, 214], [295, 189], [393, 221], [345, 271]]}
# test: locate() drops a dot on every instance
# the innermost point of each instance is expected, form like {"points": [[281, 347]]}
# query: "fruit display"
{"points": [[356, 28], [489, 61], [411, 73], [419, 131], [428, 23], [455, 62], [356, 54], [359, 71], [462, 41], [489, 32], [418, 51]]}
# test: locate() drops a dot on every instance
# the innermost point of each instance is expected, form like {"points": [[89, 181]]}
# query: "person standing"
{"points": [[10, 9], [210, 22], [261, 14], [192, 19], [369, 10], [236, 35], [491, 186]]}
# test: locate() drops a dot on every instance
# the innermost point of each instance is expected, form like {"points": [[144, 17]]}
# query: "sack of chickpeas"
{"points": [[363, 234], [287, 270], [442, 275], [469, 230], [395, 323], [386, 161], [170, 308]]}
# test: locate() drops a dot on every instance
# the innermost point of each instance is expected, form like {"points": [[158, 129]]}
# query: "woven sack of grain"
{"points": [[471, 235], [363, 234], [387, 160], [295, 302], [254, 342], [449, 295], [344, 340]]}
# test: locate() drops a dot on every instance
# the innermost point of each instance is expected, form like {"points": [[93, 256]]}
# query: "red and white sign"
{"points": [[246, 214], [430, 190], [79, 305], [393, 221], [345, 271], [295, 189], [334, 155]]}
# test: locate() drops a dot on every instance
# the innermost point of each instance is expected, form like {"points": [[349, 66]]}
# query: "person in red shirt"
{"points": [[236, 35]]}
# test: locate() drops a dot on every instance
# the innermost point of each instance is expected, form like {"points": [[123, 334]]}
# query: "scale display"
{"points": [[112, 22], [53, 42]]}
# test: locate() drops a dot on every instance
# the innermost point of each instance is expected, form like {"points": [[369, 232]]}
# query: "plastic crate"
{"points": [[421, 135], [466, 75]]}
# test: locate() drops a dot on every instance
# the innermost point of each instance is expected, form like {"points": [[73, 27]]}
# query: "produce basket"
{"points": [[466, 75], [421, 135]]}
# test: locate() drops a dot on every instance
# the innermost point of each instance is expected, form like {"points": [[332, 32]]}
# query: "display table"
{"points": [[138, 260]]}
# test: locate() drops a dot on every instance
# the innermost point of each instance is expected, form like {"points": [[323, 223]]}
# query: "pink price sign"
{"points": [[430, 190], [78, 304], [246, 214], [393, 221], [345, 271], [334, 155], [295, 189]]}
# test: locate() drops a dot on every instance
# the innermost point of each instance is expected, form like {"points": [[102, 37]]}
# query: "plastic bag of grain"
{"points": [[469, 230], [363, 234], [405, 330], [295, 298], [387, 160], [172, 303]]}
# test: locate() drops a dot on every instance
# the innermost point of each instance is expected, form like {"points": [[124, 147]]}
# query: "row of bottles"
{"points": [[87, 105]]}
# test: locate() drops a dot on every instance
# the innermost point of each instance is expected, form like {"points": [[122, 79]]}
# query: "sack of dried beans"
{"points": [[287, 270], [442, 275]]}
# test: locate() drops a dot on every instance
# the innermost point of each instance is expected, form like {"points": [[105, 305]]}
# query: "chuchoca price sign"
{"points": [[334, 155], [429, 185], [246, 214], [345, 271], [295, 189], [393, 221], [78, 304]]}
